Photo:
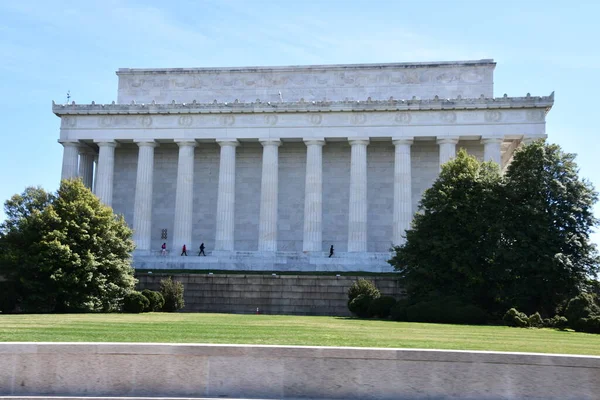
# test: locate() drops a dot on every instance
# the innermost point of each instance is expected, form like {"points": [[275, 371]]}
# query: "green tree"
{"points": [[65, 252], [172, 292], [452, 246], [548, 220], [20, 238]]}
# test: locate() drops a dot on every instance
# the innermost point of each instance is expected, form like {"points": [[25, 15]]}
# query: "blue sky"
{"points": [[49, 47]]}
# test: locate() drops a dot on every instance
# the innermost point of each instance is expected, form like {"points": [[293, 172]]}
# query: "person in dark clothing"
{"points": [[330, 251], [184, 250], [202, 250]]}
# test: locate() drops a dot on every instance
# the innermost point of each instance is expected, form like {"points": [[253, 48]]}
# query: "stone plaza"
{"points": [[270, 166]]}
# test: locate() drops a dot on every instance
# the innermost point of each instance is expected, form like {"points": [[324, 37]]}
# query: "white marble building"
{"points": [[269, 166]]}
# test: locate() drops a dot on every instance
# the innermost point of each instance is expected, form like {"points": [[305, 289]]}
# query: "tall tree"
{"points": [[548, 220], [20, 237], [452, 245], [66, 253]]}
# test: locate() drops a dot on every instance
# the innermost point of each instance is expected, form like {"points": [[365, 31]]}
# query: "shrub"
{"points": [[535, 320], [582, 306], [363, 286], [449, 310], [8, 297], [588, 325], [557, 321], [156, 300], [513, 317], [135, 302], [381, 306], [172, 292], [467, 314], [398, 311], [359, 305]]}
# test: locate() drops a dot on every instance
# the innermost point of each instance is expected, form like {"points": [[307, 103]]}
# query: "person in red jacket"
{"points": [[184, 251]]}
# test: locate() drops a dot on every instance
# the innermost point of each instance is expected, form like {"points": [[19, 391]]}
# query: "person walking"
{"points": [[330, 251], [202, 249], [184, 250], [163, 249]]}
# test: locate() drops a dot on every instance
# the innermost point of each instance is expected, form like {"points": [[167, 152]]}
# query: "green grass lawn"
{"points": [[287, 330]]}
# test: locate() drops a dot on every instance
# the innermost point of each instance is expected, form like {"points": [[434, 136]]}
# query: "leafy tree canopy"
{"points": [[451, 248], [548, 221], [521, 240], [64, 252]]}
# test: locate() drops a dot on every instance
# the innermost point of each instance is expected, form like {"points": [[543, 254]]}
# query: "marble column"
{"points": [[70, 160], [269, 191], [184, 196], [86, 166], [357, 213], [95, 173], [142, 209], [106, 168], [226, 196], [402, 189], [313, 196], [447, 149], [492, 150]]}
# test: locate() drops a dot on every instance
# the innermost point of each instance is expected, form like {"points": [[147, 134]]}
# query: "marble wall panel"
{"points": [[473, 147], [125, 173], [206, 183], [163, 202], [336, 194], [425, 159], [247, 195], [292, 171], [380, 195]]}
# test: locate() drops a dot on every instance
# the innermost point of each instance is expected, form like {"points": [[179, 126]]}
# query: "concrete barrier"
{"points": [[278, 372]]}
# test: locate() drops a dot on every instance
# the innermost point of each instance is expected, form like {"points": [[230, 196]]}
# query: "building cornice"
{"points": [[482, 103], [301, 68]]}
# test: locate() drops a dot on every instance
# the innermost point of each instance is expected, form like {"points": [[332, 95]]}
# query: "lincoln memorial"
{"points": [[270, 166]]}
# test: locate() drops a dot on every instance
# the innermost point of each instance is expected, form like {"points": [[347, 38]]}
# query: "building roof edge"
{"points": [[505, 102], [430, 64]]}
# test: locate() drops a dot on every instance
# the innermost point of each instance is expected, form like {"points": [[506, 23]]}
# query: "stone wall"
{"points": [[279, 294], [124, 370], [292, 167]]}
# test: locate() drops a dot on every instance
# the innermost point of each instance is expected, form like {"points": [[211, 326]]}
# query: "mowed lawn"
{"points": [[287, 330]]}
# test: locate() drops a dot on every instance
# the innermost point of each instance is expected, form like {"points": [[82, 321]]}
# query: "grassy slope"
{"points": [[288, 330]]}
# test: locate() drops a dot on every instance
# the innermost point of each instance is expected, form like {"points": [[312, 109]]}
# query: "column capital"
{"points": [[105, 143], [402, 140], [359, 140], [186, 143], [491, 140], [228, 142], [314, 141], [447, 140], [270, 142], [69, 143], [145, 142]]}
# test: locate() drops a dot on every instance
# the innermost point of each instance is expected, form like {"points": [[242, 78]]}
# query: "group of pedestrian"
{"points": [[163, 250], [200, 250]]}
